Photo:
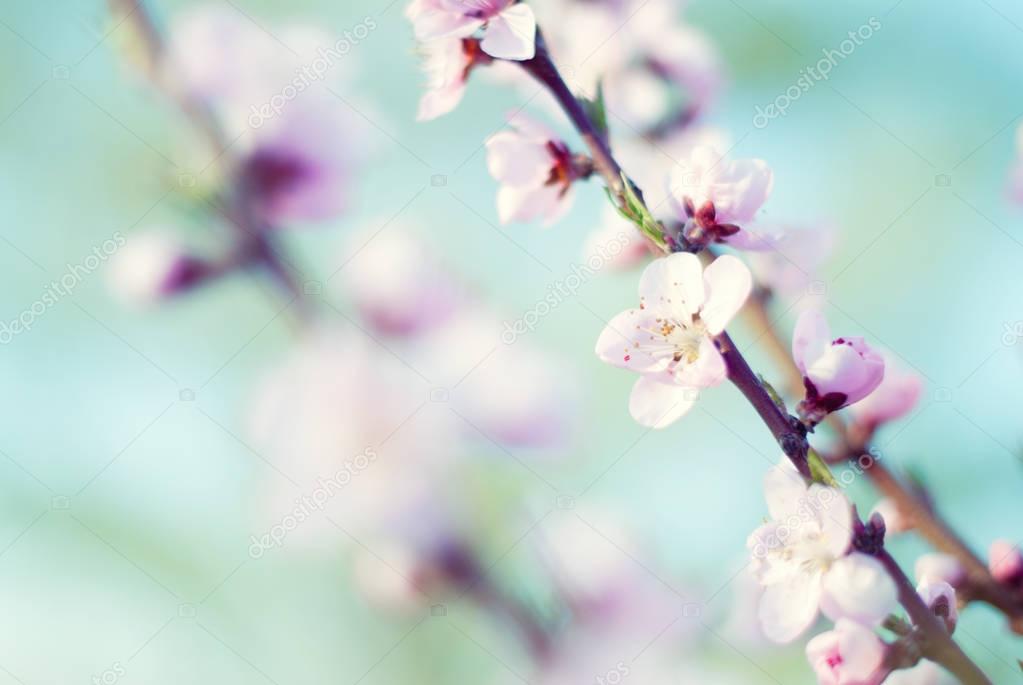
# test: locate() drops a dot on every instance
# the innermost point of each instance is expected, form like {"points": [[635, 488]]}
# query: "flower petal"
{"points": [[657, 405], [623, 343], [787, 608], [835, 515], [431, 24], [673, 284], [511, 34], [728, 284], [708, 369], [517, 160], [784, 490], [859, 588]]}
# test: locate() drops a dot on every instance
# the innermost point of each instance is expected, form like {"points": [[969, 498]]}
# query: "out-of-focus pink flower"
{"points": [[399, 283], [809, 531], [669, 339], [1005, 562], [894, 521], [447, 63], [151, 266], [924, 673], [859, 588], [939, 567], [848, 655], [535, 170], [940, 597], [509, 28], [895, 397], [299, 167], [837, 372], [616, 244], [786, 259], [730, 192]]}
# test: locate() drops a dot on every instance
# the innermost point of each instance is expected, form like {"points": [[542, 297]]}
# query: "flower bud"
{"points": [[1005, 562], [153, 266], [939, 567], [940, 597]]}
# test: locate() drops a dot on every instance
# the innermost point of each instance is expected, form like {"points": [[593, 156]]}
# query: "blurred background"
{"points": [[145, 451]]}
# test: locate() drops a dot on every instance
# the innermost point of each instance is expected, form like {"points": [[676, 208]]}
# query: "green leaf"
{"points": [[819, 469]]}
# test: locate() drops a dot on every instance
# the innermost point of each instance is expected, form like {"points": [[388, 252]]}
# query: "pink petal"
{"points": [[835, 515], [623, 341], [673, 284], [511, 34], [728, 283], [810, 338], [518, 161], [657, 405], [708, 369], [439, 102], [784, 490], [862, 652], [858, 587], [431, 24]]}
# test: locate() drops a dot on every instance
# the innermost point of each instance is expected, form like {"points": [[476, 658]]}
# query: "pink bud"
{"points": [[895, 397], [941, 598], [837, 372], [939, 567], [1005, 562], [152, 266], [894, 521], [848, 655]]}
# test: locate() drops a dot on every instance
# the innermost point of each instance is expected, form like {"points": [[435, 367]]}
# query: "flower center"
{"points": [[679, 340]]}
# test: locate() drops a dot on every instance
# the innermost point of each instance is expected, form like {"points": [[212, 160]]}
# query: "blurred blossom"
{"points": [[837, 372], [650, 162], [505, 391], [810, 529], [894, 521], [940, 597], [939, 567], [848, 655], [614, 229], [732, 191], [668, 340], [447, 63], [398, 281], [153, 265], [1005, 562], [535, 169], [859, 588], [792, 258], [310, 417], [509, 28], [389, 584], [895, 397]]}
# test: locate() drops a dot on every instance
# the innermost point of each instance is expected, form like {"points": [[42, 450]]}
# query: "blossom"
{"points": [[940, 597], [509, 28], [837, 372], [447, 64], [535, 170], [719, 192], [810, 529], [669, 338], [934, 567], [859, 588], [789, 257], [1005, 562], [848, 655], [895, 397], [894, 520], [151, 266], [924, 673]]}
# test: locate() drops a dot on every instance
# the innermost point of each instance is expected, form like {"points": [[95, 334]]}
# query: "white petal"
{"points": [[858, 587], [657, 405], [789, 607], [728, 282], [708, 370], [433, 24], [784, 490], [835, 515], [623, 343], [511, 34], [673, 284], [517, 160]]}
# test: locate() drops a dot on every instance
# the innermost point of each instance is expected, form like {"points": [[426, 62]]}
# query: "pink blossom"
{"points": [[935, 567], [535, 170], [1005, 562], [399, 283], [859, 588], [669, 338], [809, 531], [894, 521], [447, 64], [509, 28], [924, 673], [789, 257], [941, 598], [730, 192], [837, 372], [151, 266], [848, 655], [895, 397]]}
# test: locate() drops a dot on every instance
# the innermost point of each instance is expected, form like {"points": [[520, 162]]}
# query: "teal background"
{"points": [[125, 512]]}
